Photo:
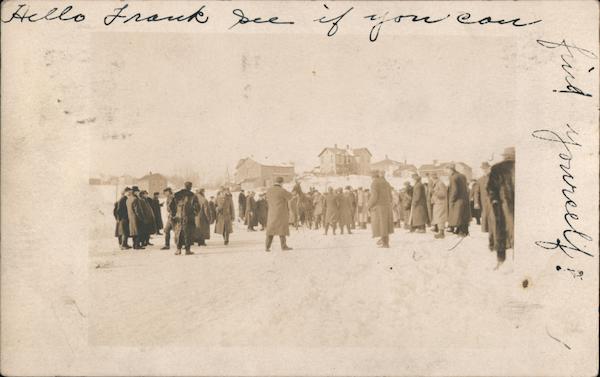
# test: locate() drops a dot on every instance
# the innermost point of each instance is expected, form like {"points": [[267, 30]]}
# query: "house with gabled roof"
{"points": [[339, 161], [252, 173]]}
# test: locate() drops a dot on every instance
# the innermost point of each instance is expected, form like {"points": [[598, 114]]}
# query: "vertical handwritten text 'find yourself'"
{"points": [[572, 239]]}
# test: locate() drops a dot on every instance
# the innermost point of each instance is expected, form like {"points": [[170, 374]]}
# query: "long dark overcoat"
{"points": [[149, 221], [262, 211], [482, 200], [418, 210], [380, 203], [278, 216], [501, 191], [155, 204], [185, 206], [251, 217], [458, 200], [122, 218]]}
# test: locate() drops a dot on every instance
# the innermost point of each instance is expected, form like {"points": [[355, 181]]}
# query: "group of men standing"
{"points": [[190, 216], [252, 211], [424, 204], [138, 216]]}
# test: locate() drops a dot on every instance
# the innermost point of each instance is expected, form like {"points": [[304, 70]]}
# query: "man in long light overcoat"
{"points": [[380, 203], [278, 215]]}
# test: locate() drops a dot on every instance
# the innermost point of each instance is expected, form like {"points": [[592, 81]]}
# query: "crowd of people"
{"points": [[427, 203]]}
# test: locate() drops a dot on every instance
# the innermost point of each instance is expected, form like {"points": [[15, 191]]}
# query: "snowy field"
{"points": [[329, 291]]}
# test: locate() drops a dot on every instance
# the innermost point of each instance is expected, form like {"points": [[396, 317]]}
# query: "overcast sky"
{"points": [[202, 101]]}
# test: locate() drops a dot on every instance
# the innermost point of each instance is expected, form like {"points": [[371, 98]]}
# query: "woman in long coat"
{"points": [[202, 220], [418, 207], [345, 208], [439, 203], [225, 215], [380, 203]]}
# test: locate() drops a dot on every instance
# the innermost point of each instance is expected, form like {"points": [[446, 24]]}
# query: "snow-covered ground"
{"points": [[329, 291], [416, 307]]}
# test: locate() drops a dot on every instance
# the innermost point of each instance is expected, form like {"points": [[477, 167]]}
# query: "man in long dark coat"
{"points": [[331, 209], [168, 193], [149, 221], [202, 220], [501, 191], [278, 216], [262, 210], [251, 212], [242, 206], [482, 200], [419, 216], [475, 209], [380, 203], [185, 205], [459, 215], [345, 200], [155, 204], [212, 206], [121, 216], [136, 218]]}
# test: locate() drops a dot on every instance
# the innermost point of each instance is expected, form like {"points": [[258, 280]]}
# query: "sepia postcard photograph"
{"points": [[299, 188]]}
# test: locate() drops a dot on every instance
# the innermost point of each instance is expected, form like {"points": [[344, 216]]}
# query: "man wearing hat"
{"points": [[262, 210], [331, 210], [134, 215], [148, 218], [250, 216], [482, 200], [459, 214], [501, 191], [120, 213], [202, 219], [345, 200], [419, 216], [278, 215], [186, 207], [168, 193], [439, 202], [380, 203]]}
